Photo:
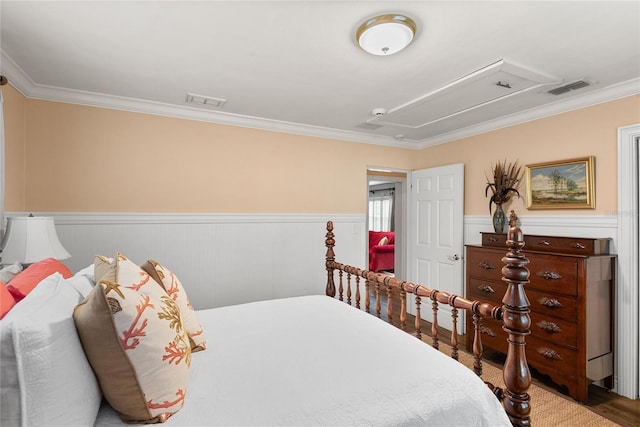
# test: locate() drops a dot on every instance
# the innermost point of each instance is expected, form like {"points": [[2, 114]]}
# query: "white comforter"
{"points": [[315, 361]]}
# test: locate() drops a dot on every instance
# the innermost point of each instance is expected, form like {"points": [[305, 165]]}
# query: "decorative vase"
{"points": [[499, 219]]}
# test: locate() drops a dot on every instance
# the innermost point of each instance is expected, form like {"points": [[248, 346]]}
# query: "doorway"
{"points": [[386, 211]]}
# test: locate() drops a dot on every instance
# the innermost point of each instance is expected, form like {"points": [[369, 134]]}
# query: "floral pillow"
{"points": [[174, 288], [135, 342]]}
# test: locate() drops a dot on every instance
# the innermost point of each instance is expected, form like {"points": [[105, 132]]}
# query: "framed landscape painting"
{"points": [[567, 184]]}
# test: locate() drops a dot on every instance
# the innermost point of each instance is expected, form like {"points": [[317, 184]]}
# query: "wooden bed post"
{"points": [[330, 257], [517, 378]]}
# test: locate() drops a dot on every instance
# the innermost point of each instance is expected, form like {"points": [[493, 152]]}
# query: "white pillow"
{"points": [[45, 378], [83, 281]]}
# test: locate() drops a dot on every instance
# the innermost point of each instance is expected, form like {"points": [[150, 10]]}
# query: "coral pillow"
{"points": [[6, 300], [175, 290], [137, 347], [24, 282]]}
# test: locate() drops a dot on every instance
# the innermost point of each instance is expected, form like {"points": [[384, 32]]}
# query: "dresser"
{"points": [[570, 295]]}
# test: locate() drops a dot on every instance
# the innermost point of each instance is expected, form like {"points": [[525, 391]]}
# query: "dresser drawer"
{"points": [[484, 263], [552, 329], [550, 356], [486, 290], [567, 245], [564, 245], [564, 307], [553, 274]]}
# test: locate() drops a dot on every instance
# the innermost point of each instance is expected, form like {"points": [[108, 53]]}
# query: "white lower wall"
{"points": [[220, 259], [225, 259]]}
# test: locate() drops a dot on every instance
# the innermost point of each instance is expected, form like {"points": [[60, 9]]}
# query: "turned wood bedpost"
{"points": [[330, 257], [516, 323]]}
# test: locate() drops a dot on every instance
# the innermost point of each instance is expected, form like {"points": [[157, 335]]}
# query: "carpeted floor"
{"points": [[547, 408]]}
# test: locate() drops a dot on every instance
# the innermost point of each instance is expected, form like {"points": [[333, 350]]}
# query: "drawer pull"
{"points": [[492, 240], [549, 353], [550, 327], [488, 331], [577, 245], [550, 302], [486, 289], [549, 275], [544, 243], [485, 265]]}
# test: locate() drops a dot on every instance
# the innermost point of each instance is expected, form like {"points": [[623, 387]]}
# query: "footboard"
{"points": [[513, 314]]}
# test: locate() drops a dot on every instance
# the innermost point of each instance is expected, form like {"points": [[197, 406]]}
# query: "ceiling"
{"points": [[294, 66]]}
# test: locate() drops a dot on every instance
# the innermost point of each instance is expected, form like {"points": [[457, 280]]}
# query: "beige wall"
{"points": [[590, 131], [87, 159], [14, 111], [91, 159]]}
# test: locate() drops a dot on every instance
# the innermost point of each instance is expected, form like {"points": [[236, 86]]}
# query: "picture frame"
{"points": [[565, 184]]}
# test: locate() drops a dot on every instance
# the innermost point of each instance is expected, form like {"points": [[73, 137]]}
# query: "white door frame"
{"points": [[627, 298]]}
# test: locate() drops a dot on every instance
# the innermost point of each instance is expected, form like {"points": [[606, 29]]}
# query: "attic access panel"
{"points": [[490, 84]]}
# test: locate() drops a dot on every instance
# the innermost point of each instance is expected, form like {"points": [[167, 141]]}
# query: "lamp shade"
{"points": [[31, 239]]}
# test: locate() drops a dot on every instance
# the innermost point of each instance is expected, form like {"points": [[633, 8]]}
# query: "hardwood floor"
{"points": [[619, 409]]}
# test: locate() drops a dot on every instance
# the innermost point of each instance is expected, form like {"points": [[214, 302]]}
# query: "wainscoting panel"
{"points": [[220, 259]]}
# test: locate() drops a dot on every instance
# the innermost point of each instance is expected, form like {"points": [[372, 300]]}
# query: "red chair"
{"points": [[381, 252]]}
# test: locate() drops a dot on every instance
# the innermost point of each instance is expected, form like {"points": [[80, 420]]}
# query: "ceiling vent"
{"points": [[569, 87], [207, 101]]}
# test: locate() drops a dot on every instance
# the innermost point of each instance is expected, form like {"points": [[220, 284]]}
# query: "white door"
{"points": [[435, 238]]}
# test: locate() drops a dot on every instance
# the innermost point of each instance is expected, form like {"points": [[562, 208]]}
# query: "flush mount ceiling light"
{"points": [[386, 34]]}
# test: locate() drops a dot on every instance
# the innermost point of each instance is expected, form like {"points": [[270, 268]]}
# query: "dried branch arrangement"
{"points": [[504, 182]]}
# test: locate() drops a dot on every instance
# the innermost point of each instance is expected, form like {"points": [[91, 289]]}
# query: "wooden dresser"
{"points": [[570, 293]]}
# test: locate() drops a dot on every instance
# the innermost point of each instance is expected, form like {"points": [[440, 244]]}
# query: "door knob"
{"points": [[453, 258]]}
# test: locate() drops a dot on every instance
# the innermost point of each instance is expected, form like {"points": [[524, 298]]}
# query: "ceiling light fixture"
{"points": [[386, 34]]}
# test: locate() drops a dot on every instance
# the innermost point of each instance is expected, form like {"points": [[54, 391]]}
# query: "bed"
{"points": [[309, 360]]}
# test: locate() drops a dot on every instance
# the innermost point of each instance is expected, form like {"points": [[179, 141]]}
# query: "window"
{"points": [[381, 211]]}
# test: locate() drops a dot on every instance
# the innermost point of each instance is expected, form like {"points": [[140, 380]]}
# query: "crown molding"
{"points": [[23, 83]]}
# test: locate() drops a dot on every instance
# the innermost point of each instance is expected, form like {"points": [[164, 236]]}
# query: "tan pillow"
{"points": [[383, 241], [174, 288], [101, 266], [136, 345]]}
